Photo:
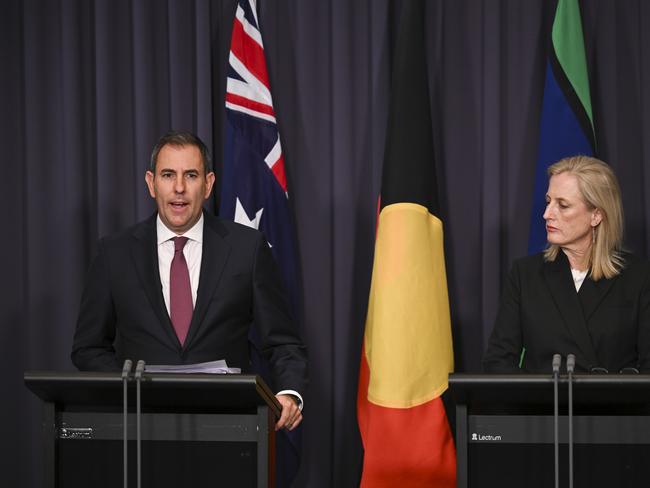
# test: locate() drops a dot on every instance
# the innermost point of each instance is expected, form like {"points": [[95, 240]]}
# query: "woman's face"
{"points": [[568, 220]]}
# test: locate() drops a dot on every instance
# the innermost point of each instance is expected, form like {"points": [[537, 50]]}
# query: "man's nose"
{"points": [[179, 185]]}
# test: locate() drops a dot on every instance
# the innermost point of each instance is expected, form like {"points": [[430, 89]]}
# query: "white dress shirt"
{"points": [[193, 252], [578, 277]]}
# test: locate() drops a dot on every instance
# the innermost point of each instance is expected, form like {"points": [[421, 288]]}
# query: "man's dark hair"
{"points": [[181, 138]]}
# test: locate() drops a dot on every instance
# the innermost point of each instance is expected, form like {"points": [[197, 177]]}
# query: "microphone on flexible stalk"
{"points": [[557, 362], [126, 370], [139, 369], [570, 367]]}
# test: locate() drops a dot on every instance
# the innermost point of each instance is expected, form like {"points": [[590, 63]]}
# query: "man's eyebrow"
{"points": [[170, 170]]}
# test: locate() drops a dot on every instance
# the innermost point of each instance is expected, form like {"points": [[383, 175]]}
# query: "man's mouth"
{"points": [[178, 205]]}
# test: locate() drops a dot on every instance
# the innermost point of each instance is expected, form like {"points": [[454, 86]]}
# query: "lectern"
{"points": [[505, 433], [198, 430]]}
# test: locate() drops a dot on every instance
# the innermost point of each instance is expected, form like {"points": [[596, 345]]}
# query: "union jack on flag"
{"points": [[254, 185], [254, 182]]}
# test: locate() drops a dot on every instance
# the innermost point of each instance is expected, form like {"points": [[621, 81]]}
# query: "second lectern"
{"points": [[505, 430]]}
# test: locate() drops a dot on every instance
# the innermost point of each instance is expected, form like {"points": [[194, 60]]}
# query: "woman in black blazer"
{"points": [[583, 295]]}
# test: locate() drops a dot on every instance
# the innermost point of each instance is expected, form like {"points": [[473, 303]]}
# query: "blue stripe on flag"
{"points": [[560, 136]]}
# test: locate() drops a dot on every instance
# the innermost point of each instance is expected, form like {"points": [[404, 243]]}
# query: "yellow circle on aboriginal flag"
{"points": [[408, 340]]}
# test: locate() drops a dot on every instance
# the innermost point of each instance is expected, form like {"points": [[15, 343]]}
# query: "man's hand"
{"points": [[290, 416]]}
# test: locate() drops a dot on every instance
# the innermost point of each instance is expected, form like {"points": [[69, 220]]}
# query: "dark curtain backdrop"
{"points": [[88, 86]]}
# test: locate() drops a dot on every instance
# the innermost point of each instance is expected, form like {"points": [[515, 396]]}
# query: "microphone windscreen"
{"points": [[557, 361], [570, 363], [126, 369]]}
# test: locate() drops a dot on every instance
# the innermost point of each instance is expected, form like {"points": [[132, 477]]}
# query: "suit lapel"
{"points": [[592, 294], [560, 282], [213, 260], [144, 251]]}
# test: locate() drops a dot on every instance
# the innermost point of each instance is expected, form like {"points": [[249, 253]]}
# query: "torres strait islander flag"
{"points": [[407, 350], [254, 186], [566, 127]]}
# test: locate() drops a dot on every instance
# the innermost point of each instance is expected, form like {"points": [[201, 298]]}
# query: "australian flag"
{"points": [[254, 184]]}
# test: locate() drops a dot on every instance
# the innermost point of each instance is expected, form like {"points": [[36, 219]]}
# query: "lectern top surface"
{"points": [[525, 389], [158, 390]]}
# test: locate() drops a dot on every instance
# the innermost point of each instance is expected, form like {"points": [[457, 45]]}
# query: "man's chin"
{"points": [[177, 225]]}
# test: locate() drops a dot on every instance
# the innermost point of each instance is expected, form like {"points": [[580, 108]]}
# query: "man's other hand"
{"points": [[290, 416]]}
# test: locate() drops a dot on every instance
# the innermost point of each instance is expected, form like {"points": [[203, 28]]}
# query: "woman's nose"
{"points": [[547, 212]]}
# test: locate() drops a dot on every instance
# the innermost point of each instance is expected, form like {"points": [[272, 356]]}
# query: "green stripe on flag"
{"points": [[570, 51]]}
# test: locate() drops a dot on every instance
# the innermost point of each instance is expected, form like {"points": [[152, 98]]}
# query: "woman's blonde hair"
{"points": [[599, 189]]}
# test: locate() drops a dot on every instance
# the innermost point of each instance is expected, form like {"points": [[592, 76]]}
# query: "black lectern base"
{"points": [[532, 466], [165, 464]]}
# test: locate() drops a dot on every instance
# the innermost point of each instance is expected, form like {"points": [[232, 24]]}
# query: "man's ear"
{"points": [[209, 183], [148, 178]]}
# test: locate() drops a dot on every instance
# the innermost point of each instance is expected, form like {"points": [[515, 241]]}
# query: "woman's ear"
{"points": [[596, 217]]}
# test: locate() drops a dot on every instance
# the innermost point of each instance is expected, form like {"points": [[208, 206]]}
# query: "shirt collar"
{"points": [[195, 233]]}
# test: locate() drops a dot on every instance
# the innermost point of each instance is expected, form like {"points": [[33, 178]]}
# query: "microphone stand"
{"points": [[126, 369], [139, 369], [557, 362], [570, 366]]}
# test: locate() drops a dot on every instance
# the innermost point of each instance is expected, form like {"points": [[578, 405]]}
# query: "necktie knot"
{"points": [[179, 243]]}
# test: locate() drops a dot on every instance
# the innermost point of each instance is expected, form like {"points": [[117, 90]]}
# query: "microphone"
{"points": [[557, 362], [139, 369], [570, 363], [570, 367], [126, 369]]}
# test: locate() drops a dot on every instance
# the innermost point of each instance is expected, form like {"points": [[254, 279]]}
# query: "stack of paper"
{"points": [[213, 367]]}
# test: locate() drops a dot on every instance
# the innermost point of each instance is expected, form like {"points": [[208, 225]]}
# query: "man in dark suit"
{"points": [[184, 286]]}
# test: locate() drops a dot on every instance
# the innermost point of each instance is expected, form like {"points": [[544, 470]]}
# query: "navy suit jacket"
{"points": [[123, 314], [606, 324]]}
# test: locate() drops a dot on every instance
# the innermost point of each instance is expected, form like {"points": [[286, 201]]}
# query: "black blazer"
{"points": [[123, 314], [606, 324]]}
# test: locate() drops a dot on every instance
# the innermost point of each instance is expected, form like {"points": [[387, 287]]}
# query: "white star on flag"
{"points": [[241, 216]]}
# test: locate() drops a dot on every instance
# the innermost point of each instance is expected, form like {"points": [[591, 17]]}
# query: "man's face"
{"points": [[179, 186]]}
